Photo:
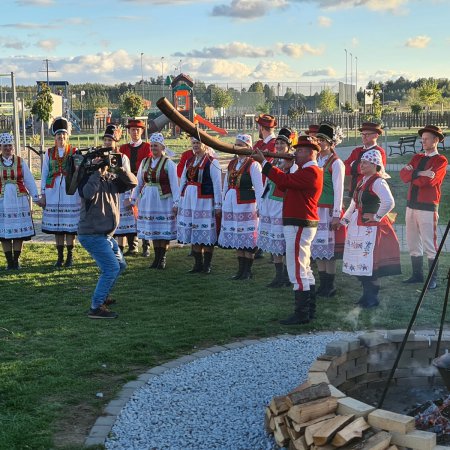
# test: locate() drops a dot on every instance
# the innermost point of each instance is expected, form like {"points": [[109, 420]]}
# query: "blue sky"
{"points": [[230, 41]]}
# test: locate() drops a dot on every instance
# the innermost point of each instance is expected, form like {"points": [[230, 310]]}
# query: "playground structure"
{"points": [[184, 102]]}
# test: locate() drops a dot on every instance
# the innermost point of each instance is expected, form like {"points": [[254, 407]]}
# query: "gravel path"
{"points": [[217, 402]]}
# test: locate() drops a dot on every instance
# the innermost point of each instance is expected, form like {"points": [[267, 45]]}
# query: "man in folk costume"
{"points": [[242, 192], [61, 211], [328, 244], [136, 150], [369, 134], [16, 186], [425, 174], [300, 218], [371, 247]]}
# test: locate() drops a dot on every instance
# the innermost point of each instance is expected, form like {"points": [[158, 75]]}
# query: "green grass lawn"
{"points": [[53, 359]]}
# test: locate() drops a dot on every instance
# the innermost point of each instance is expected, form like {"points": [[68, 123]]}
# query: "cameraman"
{"points": [[99, 192]]}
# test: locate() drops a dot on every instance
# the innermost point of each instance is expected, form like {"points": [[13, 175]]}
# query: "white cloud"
{"points": [[12, 43], [355, 42], [273, 70], [217, 70], [29, 25], [248, 9], [48, 44], [298, 50], [396, 6], [35, 2], [227, 51], [324, 21], [421, 41], [328, 72]]}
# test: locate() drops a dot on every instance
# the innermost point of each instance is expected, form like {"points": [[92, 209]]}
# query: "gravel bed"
{"points": [[217, 402]]}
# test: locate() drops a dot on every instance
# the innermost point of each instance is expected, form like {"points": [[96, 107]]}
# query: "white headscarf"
{"points": [[374, 157], [159, 138], [246, 139], [6, 139]]}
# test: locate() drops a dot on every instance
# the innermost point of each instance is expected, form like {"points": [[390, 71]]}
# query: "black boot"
{"points": [[162, 259], [60, 261], [323, 283], [277, 282], [259, 254], [241, 262], [69, 259], [417, 270], [247, 273], [16, 257], [433, 279], [370, 296], [9, 260], [330, 288], [133, 245], [145, 248], [198, 264], [157, 251], [312, 301], [301, 309], [207, 258]]}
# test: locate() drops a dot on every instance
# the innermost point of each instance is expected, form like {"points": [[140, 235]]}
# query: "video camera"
{"points": [[81, 163]]}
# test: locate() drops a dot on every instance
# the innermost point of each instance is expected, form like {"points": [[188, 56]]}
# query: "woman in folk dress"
{"points": [[157, 199], [270, 232], [61, 211], [16, 186], [241, 200], [371, 247], [328, 243], [200, 205]]}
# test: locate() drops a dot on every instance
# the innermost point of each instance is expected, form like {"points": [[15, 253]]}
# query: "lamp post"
{"points": [[162, 70], [179, 65], [81, 104], [142, 75], [356, 80]]}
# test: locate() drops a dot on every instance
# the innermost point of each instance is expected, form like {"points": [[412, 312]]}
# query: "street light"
{"points": [[162, 73], [81, 104], [179, 66]]}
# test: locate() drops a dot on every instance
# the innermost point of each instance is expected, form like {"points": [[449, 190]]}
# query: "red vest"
{"points": [[136, 154], [241, 181], [57, 165], [12, 175], [157, 176], [199, 176]]}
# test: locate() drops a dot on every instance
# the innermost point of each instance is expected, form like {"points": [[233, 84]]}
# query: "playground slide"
{"points": [[210, 125]]}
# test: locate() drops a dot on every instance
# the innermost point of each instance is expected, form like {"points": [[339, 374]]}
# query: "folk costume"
{"points": [[16, 185], [241, 200], [302, 191], [371, 247], [156, 195], [185, 157], [62, 211], [352, 162], [270, 229], [424, 195], [136, 151], [328, 243], [200, 198]]}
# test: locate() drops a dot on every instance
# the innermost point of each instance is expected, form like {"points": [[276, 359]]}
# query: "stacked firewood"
{"points": [[307, 419]]}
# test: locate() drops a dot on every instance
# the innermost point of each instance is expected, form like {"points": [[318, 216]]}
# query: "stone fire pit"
{"points": [[357, 369]]}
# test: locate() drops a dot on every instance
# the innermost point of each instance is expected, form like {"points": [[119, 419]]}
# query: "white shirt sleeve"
{"points": [[28, 181], [140, 177], [348, 214], [255, 174], [44, 173], [381, 188], [216, 177], [225, 186], [337, 177], [126, 166], [173, 181]]}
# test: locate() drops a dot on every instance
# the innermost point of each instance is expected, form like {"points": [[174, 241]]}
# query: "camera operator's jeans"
{"points": [[110, 261]]}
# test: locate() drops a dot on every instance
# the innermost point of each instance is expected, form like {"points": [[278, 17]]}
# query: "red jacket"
{"points": [[303, 189], [136, 154], [269, 147], [185, 157], [354, 170], [424, 193]]}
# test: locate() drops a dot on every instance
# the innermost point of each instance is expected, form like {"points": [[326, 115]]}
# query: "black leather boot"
{"points": [[330, 288], [433, 280], [207, 258], [60, 261], [323, 282], [241, 262], [301, 309], [133, 244], [69, 259], [145, 248], [277, 282], [417, 270], [162, 259], [9, 260], [247, 273], [16, 257], [286, 280], [198, 263], [370, 297], [312, 301], [157, 251]]}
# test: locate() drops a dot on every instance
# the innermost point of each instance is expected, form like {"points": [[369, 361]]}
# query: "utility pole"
{"points": [[46, 70], [356, 80], [351, 78], [345, 90], [142, 75]]}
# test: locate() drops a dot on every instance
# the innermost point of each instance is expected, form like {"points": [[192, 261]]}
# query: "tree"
{"points": [[327, 101], [42, 108], [265, 108], [256, 87], [221, 98], [429, 93], [131, 104]]}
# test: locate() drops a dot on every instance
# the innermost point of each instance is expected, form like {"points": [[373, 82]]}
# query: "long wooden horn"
{"points": [[186, 125]]}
